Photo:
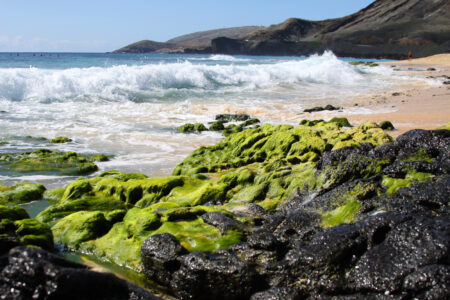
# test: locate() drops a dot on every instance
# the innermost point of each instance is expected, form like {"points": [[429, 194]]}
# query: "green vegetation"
{"points": [[21, 192], [45, 161], [342, 214], [112, 214], [411, 176], [16, 224], [60, 140], [387, 125]]}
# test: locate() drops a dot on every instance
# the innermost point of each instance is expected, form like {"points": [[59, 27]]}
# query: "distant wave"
{"points": [[118, 82], [226, 58]]}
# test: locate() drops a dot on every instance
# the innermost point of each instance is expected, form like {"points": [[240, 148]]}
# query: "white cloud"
{"points": [[20, 44]]}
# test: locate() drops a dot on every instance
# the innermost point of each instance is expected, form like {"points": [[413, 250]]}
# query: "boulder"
{"points": [[31, 273]]}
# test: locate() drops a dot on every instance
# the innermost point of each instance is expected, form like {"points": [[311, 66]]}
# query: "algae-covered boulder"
{"points": [[44, 161], [21, 192], [250, 122], [232, 128], [320, 108], [232, 117], [216, 126], [60, 140], [16, 228], [112, 214], [80, 227], [270, 208], [342, 122], [189, 127], [387, 125]]}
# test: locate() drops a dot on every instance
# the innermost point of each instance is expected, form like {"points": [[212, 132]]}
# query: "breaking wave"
{"points": [[121, 81]]}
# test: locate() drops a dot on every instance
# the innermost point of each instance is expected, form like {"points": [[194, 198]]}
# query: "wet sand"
{"points": [[412, 106]]}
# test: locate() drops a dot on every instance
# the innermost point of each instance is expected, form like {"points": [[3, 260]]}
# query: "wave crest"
{"points": [[119, 81]]}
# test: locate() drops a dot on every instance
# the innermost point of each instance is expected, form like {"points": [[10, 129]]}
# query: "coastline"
{"points": [[246, 202], [413, 106]]}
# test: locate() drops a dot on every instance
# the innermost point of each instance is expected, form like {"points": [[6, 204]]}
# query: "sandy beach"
{"points": [[416, 106]]}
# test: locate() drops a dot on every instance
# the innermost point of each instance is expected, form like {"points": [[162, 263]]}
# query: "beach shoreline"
{"points": [[414, 106]]}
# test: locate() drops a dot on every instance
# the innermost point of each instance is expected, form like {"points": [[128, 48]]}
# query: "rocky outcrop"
{"points": [[377, 228], [30, 273], [194, 42], [317, 210], [45, 161]]}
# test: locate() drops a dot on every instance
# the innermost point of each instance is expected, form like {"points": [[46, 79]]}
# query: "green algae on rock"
{"points": [[387, 125], [21, 192], [112, 214], [51, 162], [216, 126], [16, 225], [189, 127], [60, 140]]}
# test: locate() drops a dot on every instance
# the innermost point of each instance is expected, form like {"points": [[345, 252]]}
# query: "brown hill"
{"points": [[145, 46], [203, 39], [197, 40], [385, 28]]}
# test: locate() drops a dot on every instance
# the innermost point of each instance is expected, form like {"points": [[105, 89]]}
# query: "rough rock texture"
{"points": [[282, 210], [29, 273], [376, 227]]}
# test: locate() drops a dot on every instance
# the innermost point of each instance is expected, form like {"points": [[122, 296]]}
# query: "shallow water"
{"points": [[129, 105]]}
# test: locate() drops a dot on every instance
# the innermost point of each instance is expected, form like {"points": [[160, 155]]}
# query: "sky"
{"points": [[102, 26]]}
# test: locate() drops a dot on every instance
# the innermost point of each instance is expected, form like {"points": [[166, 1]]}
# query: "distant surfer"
{"points": [[410, 55]]}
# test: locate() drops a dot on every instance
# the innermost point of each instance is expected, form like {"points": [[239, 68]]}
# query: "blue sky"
{"points": [[100, 25]]}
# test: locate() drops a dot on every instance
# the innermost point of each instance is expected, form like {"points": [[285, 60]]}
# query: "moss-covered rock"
{"points": [[44, 161], [333, 174], [447, 126], [80, 227], [342, 122], [189, 127], [250, 122], [232, 117], [60, 140], [387, 125], [232, 128], [320, 108], [216, 126], [16, 225], [21, 192]]}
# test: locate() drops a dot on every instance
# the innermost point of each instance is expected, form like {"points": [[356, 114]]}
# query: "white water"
{"points": [[131, 110]]}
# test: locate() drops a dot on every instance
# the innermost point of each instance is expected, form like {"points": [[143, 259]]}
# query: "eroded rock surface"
{"points": [[30, 273]]}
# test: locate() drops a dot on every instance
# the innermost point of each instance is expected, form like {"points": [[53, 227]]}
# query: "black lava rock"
{"points": [[320, 108], [221, 221], [396, 247], [160, 254], [219, 275], [31, 273]]}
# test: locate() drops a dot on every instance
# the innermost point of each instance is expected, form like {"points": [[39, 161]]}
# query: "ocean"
{"points": [[129, 105]]}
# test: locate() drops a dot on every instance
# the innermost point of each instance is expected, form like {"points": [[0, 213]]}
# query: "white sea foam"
{"points": [[153, 81], [131, 111]]}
